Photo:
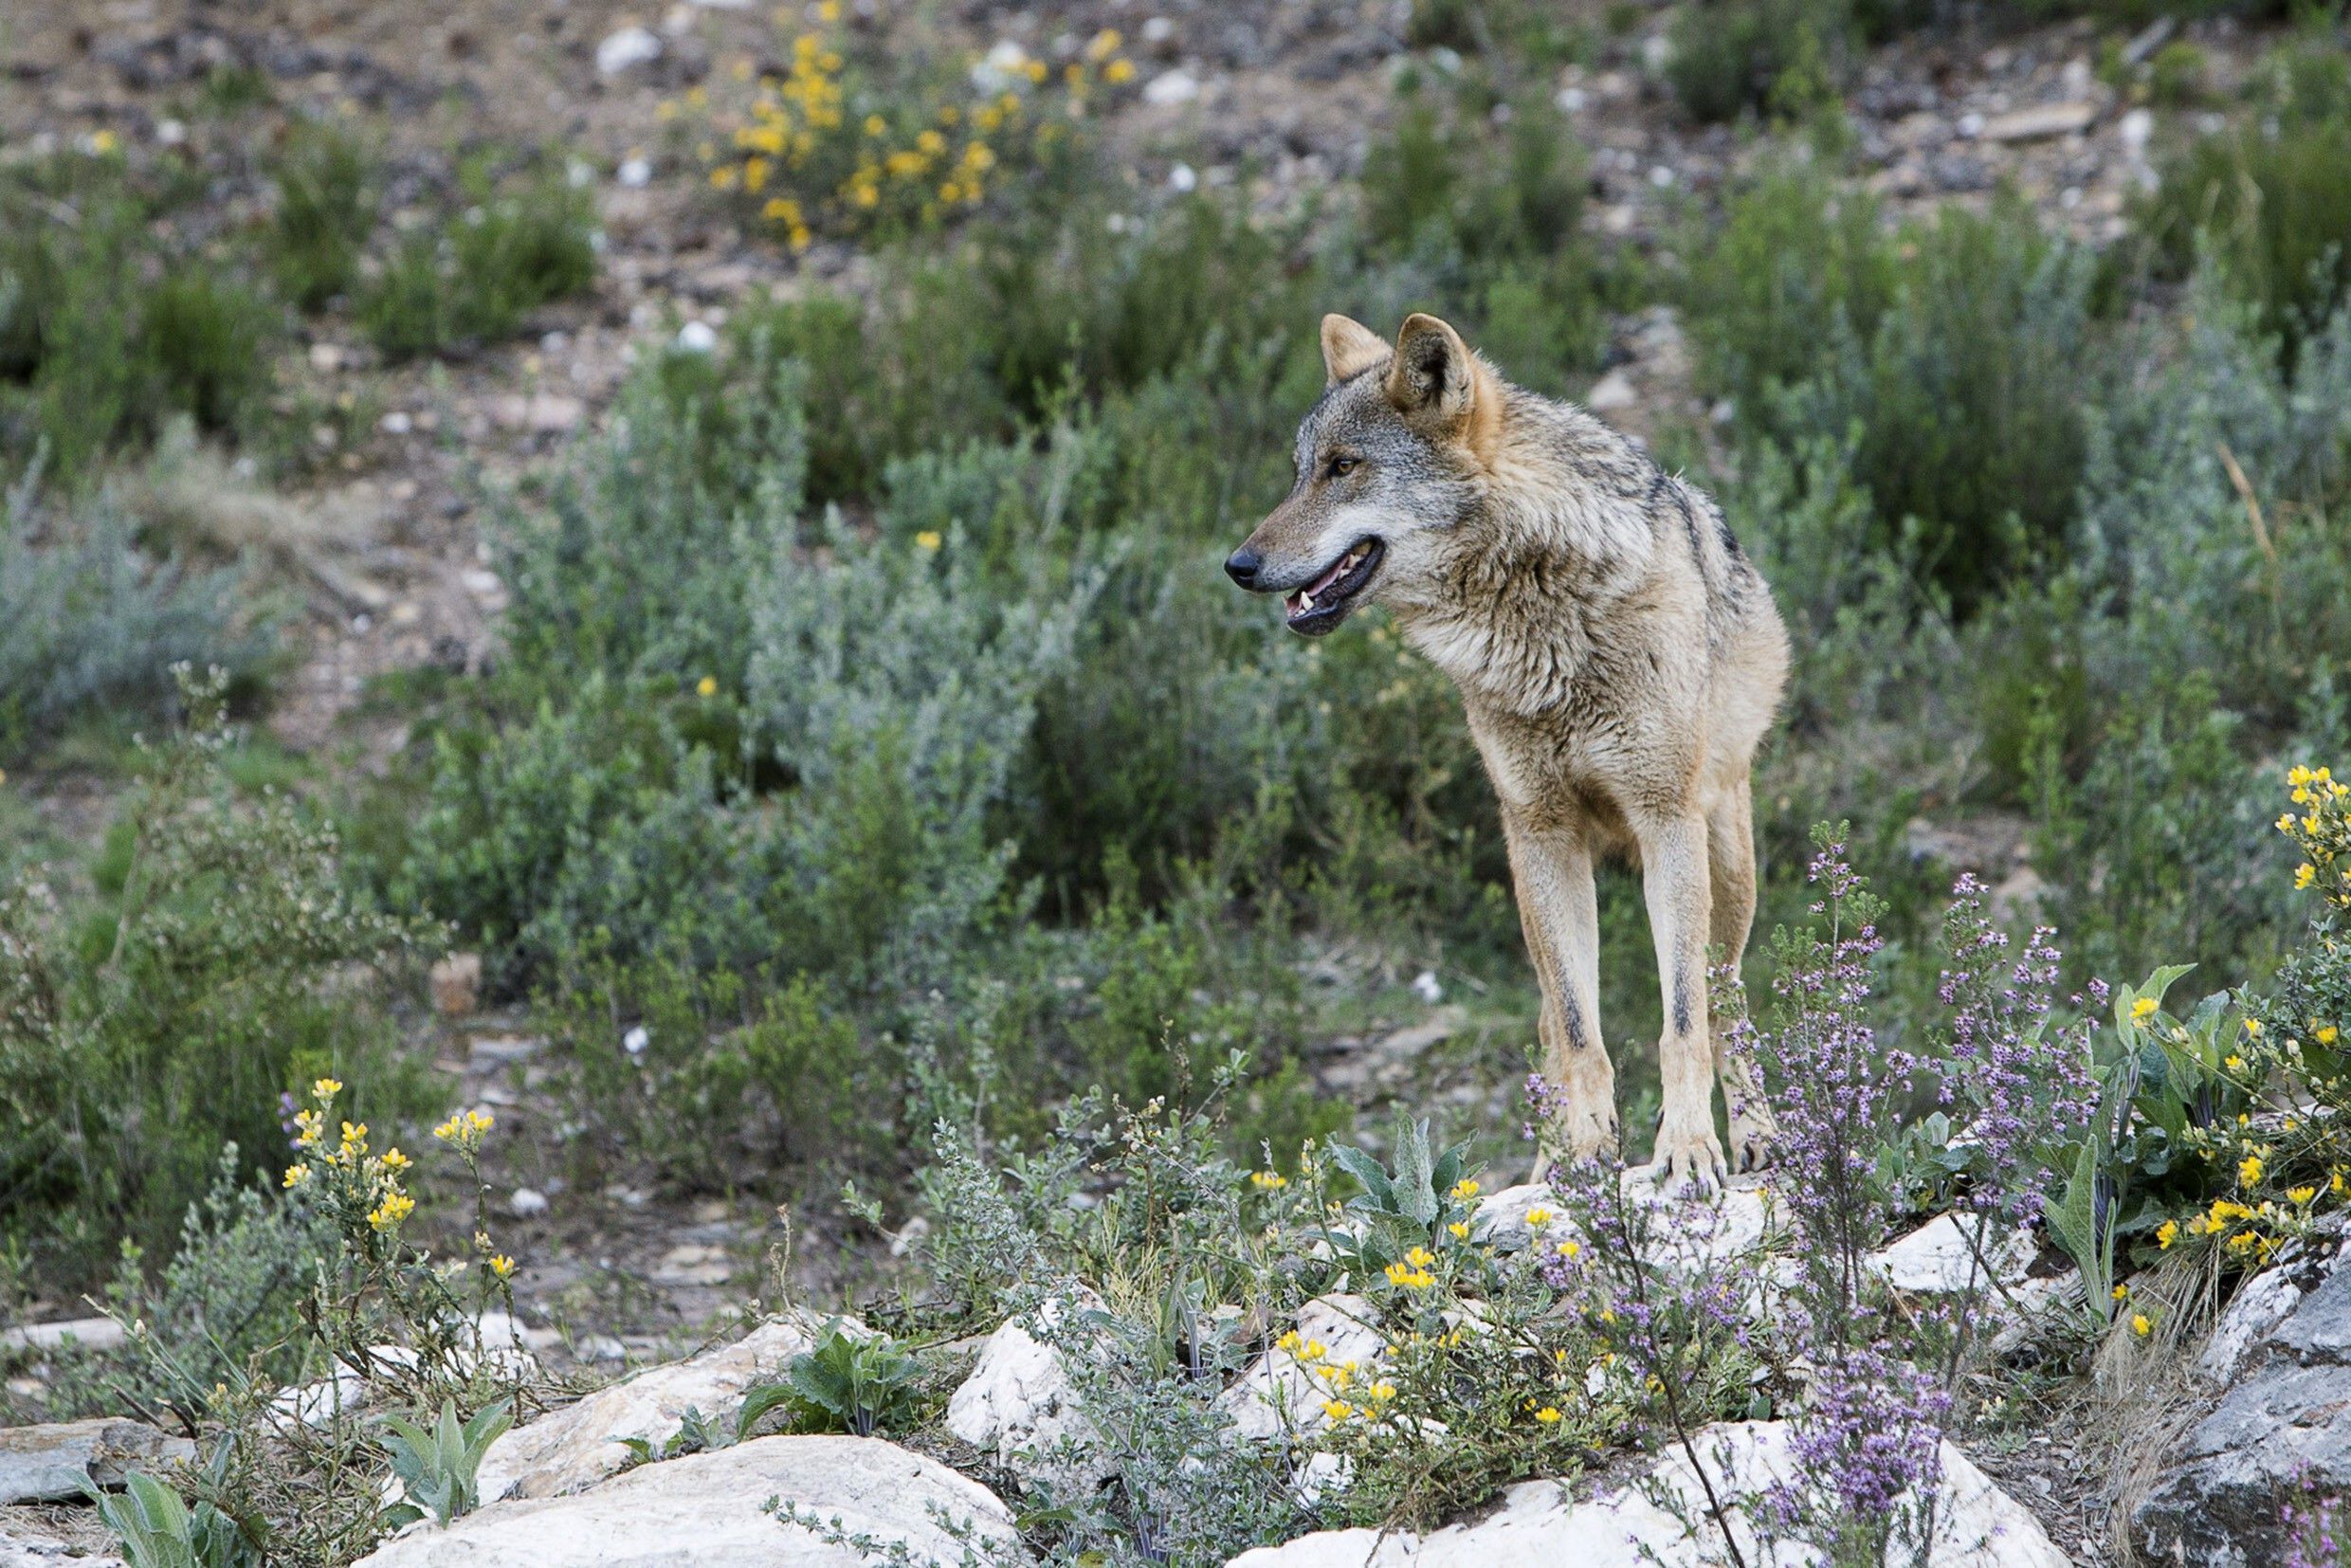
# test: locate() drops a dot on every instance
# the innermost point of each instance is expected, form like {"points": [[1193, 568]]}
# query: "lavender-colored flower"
{"points": [[2021, 1083]]}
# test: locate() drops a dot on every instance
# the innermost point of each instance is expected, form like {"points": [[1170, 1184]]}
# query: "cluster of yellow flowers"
{"points": [[1413, 1272], [792, 150], [2322, 832], [464, 1129], [374, 1180]]}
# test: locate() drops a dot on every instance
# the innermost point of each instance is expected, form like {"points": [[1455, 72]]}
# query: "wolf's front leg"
{"points": [[1558, 910], [1674, 876]]}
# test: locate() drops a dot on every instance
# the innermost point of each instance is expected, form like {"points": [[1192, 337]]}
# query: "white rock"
{"points": [[629, 46], [1170, 87], [1001, 69], [1539, 1525], [88, 1333], [2260, 1305], [2133, 130], [1937, 1259], [1183, 178], [577, 1446], [634, 173], [1425, 986], [1612, 391], [2040, 121], [526, 1202], [1281, 1393], [1157, 29], [709, 1509], [694, 338], [54, 1462], [23, 1547], [1019, 1404]]}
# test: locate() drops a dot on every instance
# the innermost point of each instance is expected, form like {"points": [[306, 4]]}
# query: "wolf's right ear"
{"points": [[1349, 348]]}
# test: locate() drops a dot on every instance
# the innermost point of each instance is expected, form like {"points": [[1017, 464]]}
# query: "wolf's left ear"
{"points": [[1434, 378], [1349, 348]]}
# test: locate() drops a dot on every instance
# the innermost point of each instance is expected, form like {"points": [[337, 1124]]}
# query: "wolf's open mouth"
{"points": [[1325, 602]]}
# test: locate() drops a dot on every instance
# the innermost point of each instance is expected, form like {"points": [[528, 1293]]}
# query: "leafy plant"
{"points": [[848, 1382], [159, 1530], [438, 1468]]}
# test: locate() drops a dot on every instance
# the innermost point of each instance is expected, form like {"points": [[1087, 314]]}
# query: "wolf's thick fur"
{"points": [[1619, 658]]}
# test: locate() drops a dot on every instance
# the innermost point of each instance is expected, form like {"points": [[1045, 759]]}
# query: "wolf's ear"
{"points": [[1350, 348], [1434, 377]]}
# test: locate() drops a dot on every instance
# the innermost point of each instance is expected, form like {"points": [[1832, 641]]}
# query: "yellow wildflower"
{"points": [[1288, 1342], [2329, 1035], [1548, 1415], [1338, 1409], [1464, 1190], [2305, 874], [2249, 1170], [1264, 1181], [105, 141], [1033, 70], [2300, 1196], [2122, 1292], [1381, 1392], [392, 1211], [502, 1265], [2143, 1009], [1420, 1257], [1118, 72], [1537, 1218], [707, 687], [829, 12], [1458, 1230], [1103, 44], [297, 1173], [930, 540], [2166, 1233], [395, 1161], [326, 1089], [2142, 1324], [2234, 1063], [2252, 1026], [1569, 1249]]}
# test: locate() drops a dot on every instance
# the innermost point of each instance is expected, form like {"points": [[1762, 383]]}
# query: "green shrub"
{"points": [[473, 276], [88, 619], [326, 211], [1957, 359], [1730, 56], [106, 331], [141, 1033], [2269, 198]]}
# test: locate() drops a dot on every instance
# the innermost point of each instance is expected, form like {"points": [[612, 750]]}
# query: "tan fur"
{"points": [[1619, 660]]}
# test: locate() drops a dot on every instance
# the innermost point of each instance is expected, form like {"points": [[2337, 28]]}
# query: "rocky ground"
{"points": [[561, 1489]]}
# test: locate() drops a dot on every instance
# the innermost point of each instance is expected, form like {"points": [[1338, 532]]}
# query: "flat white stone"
{"points": [[710, 1508], [1539, 1526], [1281, 1392], [572, 1448]]}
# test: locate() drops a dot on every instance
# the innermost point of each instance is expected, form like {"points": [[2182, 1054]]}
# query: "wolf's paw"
{"points": [[1688, 1157], [1753, 1135], [1583, 1134]]}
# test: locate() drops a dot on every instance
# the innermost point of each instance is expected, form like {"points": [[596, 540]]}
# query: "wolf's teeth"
{"points": [[1305, 602]]}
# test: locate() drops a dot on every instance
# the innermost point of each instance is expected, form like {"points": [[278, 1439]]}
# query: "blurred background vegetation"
{"points": [[868, 723]]}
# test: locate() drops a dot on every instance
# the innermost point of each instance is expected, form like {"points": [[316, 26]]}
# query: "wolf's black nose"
{"points": [[1242, 565]]}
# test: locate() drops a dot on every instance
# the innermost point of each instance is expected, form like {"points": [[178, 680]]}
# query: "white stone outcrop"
{"points": [[1284, 1391], [1539, 1525], [1020, 1405], [572, 1448], [711, 1508]]}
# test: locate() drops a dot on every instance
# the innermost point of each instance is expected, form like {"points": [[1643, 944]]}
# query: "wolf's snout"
{"points": [[1242, 566]]}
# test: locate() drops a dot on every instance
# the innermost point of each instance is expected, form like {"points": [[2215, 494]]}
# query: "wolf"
{"points": [[1619, 658]]}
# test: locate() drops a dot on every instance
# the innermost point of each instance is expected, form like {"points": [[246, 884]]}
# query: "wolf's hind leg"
{"points": [[1730, 860], [1559, 911]]}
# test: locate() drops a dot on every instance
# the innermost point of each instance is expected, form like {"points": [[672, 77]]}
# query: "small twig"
{"points": [[2252, 503]]}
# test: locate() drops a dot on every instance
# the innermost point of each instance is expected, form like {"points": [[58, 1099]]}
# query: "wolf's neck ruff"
{"points": [[1548, 550]]}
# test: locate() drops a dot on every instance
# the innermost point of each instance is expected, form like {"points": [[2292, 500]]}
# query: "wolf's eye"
{"points": [[1342, 467]]}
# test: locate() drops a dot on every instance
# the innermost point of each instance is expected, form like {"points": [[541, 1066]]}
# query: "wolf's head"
{"points": [[1389, 462]]}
